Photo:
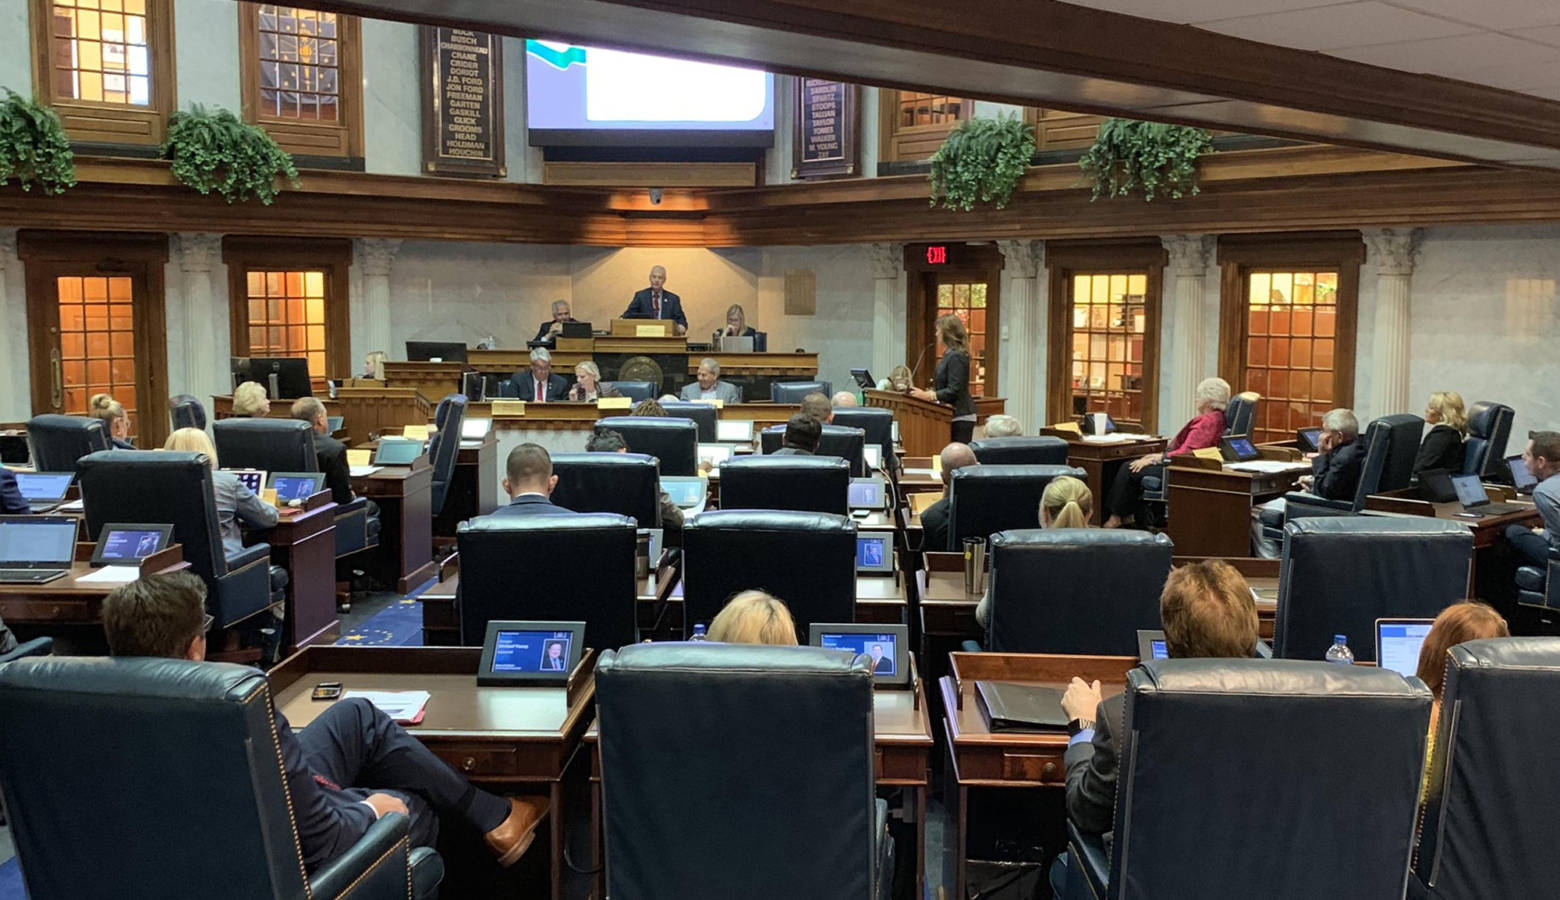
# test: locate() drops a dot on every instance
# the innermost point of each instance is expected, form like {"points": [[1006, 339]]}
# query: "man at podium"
{"points": [[655, 303]]}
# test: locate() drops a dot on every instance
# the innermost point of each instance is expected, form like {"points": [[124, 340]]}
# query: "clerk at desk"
{"points": [[554, 326], [655, 303]]}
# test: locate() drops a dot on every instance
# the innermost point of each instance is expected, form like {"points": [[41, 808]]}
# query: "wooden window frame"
{"points": [[319, 142], [1065, 259], [99, 122], [1238, 255], [981, 262], [333, 257], [891, 135]]}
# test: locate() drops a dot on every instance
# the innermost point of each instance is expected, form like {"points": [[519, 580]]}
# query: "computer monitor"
{"points": [[1520, 476], [575, 330], [397, 452], [333, 423], [872, 455], [435, 351], [283, 377], [734, 431], [475, 429], [296, 486], [1238, 449], [1151, 645], [717, 454], [867, 493], [887, 645], [686, 491], [125, 544], [875, 553], [254, 479], [530, 653], [1398, 642], [43, 487]]}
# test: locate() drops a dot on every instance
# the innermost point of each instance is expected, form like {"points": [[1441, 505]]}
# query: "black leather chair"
{"points": [[275, 445], [1489, 430], [628, 484], [806, 559], [1490, 803], [637, 391], [794, 391], [1339, 575], [1391, 443], [800, 483], [36, 647], [174, 488], [984, 500], [1397, 470], [57, 442], [704, 827], [675, 442], [1265, 756], [549, 568], [1075, 590], [1540, 586], [194, 773], [704, 415], [444, 446], [878, 423], [1021, 451], [848, 444], [1240, 415], [187, 412]]}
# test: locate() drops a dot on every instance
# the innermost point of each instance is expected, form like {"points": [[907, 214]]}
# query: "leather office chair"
{"points": [[195, 774], [674, 442], [1020, 451], [771, 793], [799, 483], [794, 391], [1339, 575], [187, 412], [806, 559], [1489, 812], [1397, 470], [1489, 430], [57, 442], [274, 445], [174, 488], [1075, 590], [1240, 414], [848, 444], [984, 500], [1540, 586], [703, 415], [879, 427], [563, 568], [1218, 754], [628, 484], [444, 446], [1385, 440], [43, 646], [637, 391]]}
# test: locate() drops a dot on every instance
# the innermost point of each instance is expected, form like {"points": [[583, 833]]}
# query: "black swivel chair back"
{"points": [[187, 412], [806, 559], [1489, 430], [637, 391], [878, 423], [189, 754], [1021, 451], [1490, 806], [848, 444], [174, 488], [1240, 415], [1075, 590], [1384, 442], [675, 442], [710, 752], [799, 483], [984, 500], [549, 568], [1397, 469], [703, 415], [628, 484], [444, 446], [57, 442], [1339, 575], [274, 445], [794, 391], [1222, 753]]}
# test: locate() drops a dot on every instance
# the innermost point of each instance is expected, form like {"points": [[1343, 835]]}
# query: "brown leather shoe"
{"points": [[512, 837]]}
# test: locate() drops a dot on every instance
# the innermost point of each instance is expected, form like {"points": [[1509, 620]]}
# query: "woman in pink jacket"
{"points": [[1124, 499]]}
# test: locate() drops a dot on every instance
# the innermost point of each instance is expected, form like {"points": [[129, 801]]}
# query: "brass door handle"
{"points": [[57, 389]]}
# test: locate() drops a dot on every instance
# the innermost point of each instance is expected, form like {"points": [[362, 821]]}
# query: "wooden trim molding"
{"points": [[341, 139], [97, 122], [334, 257]]}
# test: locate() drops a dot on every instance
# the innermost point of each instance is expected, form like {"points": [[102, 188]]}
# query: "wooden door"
{"points": [[964, 280]]}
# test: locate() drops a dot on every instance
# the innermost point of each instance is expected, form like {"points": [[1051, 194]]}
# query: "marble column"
{"points": [[1185, 290], [1392, 251], [1023, 332], [204, 372], [374, 257], [888, 341], [15, 400]]}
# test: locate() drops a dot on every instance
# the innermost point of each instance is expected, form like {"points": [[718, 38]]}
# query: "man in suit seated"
{"points": [[606, 440], [332, 453], [881, 665], [529, 482], [1335, 473], [538, 384], [12, 503], [350, 766], [935, 531], [655, 303], [802, 433], [1542, 457], [1208, 612], [709, 386], [551, 329]]}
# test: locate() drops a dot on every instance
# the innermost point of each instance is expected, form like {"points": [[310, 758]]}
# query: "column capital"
{"points": [[376, 254], [1190, 254], [7, 246], [1393, 250], [887, 259], [1022, 259], [198, 252]]}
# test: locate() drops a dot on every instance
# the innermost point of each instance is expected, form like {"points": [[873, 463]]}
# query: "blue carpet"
{"points": [[11, 881], [397, 625]]}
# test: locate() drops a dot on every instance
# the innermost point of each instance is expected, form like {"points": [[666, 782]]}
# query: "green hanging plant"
{"points": [[33, 146], [981, 162], [217, 152], [1149, 157]]}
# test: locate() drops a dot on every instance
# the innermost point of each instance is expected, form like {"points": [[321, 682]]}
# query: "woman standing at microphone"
{"points": [[951, 383]]}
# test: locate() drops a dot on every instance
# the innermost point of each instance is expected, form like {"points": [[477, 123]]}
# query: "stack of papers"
{"points": [[1268, 466], [403, 706], [361, 471], [111, 575]]}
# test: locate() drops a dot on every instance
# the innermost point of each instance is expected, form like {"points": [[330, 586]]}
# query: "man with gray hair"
{"points": [[1335, 473], [709, 386], [537, 384], [1001, 425], [553, 327], [654, 302], [843, 400]]}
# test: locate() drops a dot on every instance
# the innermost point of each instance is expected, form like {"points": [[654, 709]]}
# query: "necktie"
{"points": [[655, 305], [541, 397]]}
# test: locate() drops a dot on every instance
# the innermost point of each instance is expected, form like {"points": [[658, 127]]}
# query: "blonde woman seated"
{"points": [[237, 506], [115, 420], [588, 385], [1442, 446], [374, 364], [1066, 503], [754, 617], [249, 400]]}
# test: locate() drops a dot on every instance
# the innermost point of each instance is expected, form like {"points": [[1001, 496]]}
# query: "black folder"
{"points": [[1021, 707]]}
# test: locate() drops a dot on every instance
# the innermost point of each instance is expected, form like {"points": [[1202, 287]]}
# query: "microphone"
{"points": [[919, 360]]}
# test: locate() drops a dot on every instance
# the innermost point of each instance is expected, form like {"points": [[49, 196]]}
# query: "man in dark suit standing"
{"points": [[552, 328], [935, 526], [11, 500], [529, 482], [538, 384], [655, 303]]}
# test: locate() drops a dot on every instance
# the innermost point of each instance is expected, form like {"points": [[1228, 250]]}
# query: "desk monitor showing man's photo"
{"points": [[875, 553], [521, 653], [887, 645], [127, 544], [296, 486]]}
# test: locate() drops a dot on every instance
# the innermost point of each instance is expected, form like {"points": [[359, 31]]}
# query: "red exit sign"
{"points": [[937, 255]]}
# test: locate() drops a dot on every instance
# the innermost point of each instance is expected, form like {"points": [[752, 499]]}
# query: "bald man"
{"points": [[656, 303], [843, 399], [936, 533]]}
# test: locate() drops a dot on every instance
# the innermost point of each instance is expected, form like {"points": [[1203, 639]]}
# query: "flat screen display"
{"points": [[872, 454], [1520, 476], [875, 553], [130, 543], [685, 492], [294, 487], [734, 431], [474, 429], [254, 479], [37, 540], [37, 486], [532, 651], [1470, 491], [716, 454], [397, 452], [1242, 448], [866, 493], [1160, 649], [1397, 644], [880, 647]]}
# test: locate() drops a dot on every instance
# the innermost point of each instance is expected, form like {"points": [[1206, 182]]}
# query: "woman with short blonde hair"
{"points": [[249, 399], [114, 418], [374, 364], [588, 384], [237, 505], [754, 617], [1442, 446]]}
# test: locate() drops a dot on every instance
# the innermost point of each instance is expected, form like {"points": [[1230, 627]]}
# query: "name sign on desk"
{"points": [[615, 403], [650, 331], [415, 432], [463, 102], [508, 407]]}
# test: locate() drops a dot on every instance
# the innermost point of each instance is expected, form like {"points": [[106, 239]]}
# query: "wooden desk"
{"points": [[304, 544], [441, 620], [1101, 460], [1210, 509], [39, 610], [789, 365], [431, 379], [473, 489], [509, 738], [405, 498]]}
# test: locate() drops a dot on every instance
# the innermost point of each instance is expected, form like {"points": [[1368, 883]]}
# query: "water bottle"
{"points": [[698, 635], [1339, 652]]}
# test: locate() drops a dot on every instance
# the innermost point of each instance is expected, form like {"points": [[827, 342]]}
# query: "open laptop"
{"points": [[717, 454], [1520, 476], [575, 330], [334, 423], [1476, 502], [734, 431], [1435, 485], [36, 549], [45, 490], [1398, 642], [397, 452], [474, 431], [254, 479], [730, 343], [1309, 439], [688, 492]]}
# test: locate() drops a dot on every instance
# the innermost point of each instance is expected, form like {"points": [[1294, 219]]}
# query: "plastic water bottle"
{"points": [[1339, 652], [698, 634]]}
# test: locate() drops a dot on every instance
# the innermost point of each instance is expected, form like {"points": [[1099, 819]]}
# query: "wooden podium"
{"points": [[431, 379], [373, 411], [923, 426]]}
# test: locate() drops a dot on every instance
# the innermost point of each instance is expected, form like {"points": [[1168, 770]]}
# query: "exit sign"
{"points": [[937, 255]]}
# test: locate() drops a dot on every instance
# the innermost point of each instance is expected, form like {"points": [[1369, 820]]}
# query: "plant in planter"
{"points": [[217, 152], [981, 162], [1149, 157], [33, 146]]}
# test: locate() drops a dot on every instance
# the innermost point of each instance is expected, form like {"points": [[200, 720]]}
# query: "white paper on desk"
{"points": [[1116, 438], [361, 471], [402, 706], [111, 575], [1268, 466], [919, 473], [76, 505]]}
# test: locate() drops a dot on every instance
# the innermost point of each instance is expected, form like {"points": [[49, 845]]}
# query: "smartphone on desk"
{"points": [[327, 690]]}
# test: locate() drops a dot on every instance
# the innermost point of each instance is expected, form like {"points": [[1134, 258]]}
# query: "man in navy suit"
{"points": [[11, 500], [538, 384], [655, 303], [529, 482]]}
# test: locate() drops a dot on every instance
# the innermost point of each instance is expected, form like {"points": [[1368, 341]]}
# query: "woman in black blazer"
{"points": [[951, 383], [1442, 446]]}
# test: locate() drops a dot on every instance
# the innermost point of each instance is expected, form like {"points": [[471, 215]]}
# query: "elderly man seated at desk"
{"points": [[550, 330], [1335, 473], [537, 384], [709, 386]]}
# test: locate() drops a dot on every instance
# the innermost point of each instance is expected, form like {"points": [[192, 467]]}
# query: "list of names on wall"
{"points": [[463, 102], [825, 131]]}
